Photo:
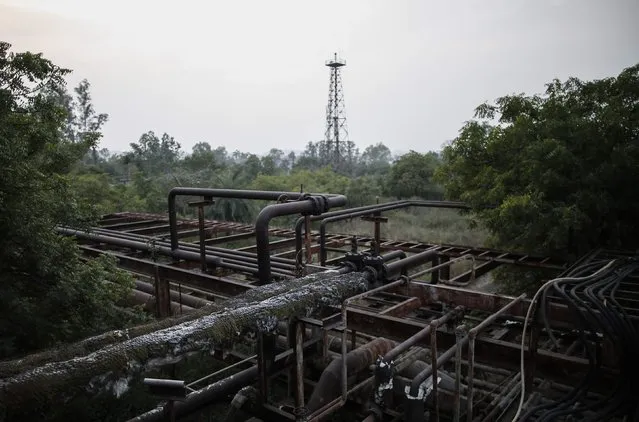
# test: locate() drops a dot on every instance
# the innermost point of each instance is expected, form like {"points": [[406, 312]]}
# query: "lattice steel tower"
{"points": [[336, 129]]}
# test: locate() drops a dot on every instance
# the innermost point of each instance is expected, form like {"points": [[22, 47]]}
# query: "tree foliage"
{"points": [[412, 176], [46, 293], [560, 169]]}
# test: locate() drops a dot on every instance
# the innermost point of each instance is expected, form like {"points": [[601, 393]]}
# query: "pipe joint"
{"points": [[319, 204]]}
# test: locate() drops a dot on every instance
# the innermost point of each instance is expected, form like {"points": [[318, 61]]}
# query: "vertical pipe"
{"points": [[344, 366], [378, 232], [265, 356], [434, 275], [162, 295], [459, 334], [200, 217], [433, 357], [299, 365], [307, 238], [324, 345], [532, 356], [444, 272], [471, 374]]}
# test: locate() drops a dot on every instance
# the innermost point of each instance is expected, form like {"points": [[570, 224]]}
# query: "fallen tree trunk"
{"points": [[113, 366]]}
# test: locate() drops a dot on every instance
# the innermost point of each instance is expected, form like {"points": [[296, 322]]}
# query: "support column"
{"points": [[265, 359]]}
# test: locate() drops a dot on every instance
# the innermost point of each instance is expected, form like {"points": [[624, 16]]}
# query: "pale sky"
{"points": [[250, 75]]}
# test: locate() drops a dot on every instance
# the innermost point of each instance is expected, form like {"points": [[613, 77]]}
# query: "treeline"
{"points": [[139, 179]]}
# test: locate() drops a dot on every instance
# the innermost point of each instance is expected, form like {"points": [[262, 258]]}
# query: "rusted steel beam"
{"points": [[164, 228], [132, 225], [208, 229], [231, 238], [278, 244], [114, 220], [429, 293], [480, 270], [314, 249], [552, 365], [483, 254], [402, 308], [222, 285]]}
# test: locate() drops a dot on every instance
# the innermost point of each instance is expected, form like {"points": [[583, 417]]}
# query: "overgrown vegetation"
{"points": [[47, 295], [559, 170]]}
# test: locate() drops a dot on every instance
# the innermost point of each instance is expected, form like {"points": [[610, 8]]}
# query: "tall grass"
{"points": [[428, 225]]}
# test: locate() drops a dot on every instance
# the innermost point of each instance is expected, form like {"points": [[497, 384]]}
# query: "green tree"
{"points": [[376, 160], [561, 168], [82, 122], [363, 190], [319, 181], [412, 176], [47, 294], [153, 155]]}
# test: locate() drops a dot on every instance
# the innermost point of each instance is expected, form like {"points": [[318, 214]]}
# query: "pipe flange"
{"points": [[351, 265], [373, 274]]}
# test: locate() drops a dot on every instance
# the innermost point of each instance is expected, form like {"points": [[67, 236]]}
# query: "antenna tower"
{"points": [[336, 129]]}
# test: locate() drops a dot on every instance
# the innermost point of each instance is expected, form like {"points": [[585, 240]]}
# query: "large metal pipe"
{"points": [[127, 243], [232, 264], [143, 298], [396, 268], [328, 386], [380, 209], [312, 205], [222, 193], [227, 254], [277, 261], [393, 255], [203, 397], [190, 301]]}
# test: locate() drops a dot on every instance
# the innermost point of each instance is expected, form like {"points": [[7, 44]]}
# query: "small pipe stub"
{"points": [[166, 389]]}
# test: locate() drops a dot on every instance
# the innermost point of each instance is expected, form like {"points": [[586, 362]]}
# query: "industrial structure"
{"points": [[336, 129], [385, 330]]}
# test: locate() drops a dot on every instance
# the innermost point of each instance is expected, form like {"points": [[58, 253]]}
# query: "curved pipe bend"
{"points": [[221, 193], [313, 204]]}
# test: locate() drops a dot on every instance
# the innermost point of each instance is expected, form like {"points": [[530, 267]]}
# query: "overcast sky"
{"points": [[250, 75]]}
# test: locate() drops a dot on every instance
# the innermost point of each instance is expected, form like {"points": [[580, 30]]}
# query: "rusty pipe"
{"points": [[415, 407], [192, 301], [445, 264], [398, 267], [328, 386], [221, 193], [384, 367], [313, 204], [417, 337], [472, 335]]}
